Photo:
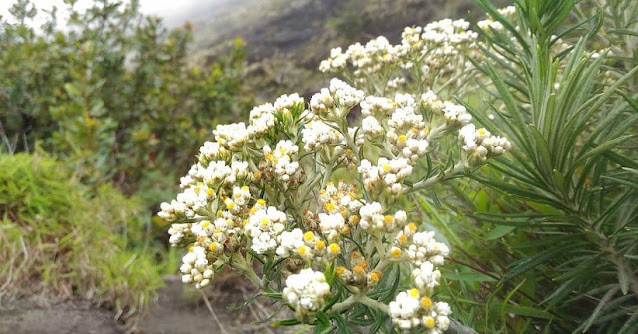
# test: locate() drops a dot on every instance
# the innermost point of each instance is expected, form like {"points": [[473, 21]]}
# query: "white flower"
{"points": [[480, 142], [432, 102], [344, 95], [425, 248], [195, 268], [289, 242], [320, 136], [380, 107], [323, 104], [232, 136], [280, 160], [263, 227], [306, 291], [371, 127], [211, 151], [405, 308], [455, 113], [425, 277], [286, 103], [331, 225], [179, 233], [262, 119], [388, 174]]}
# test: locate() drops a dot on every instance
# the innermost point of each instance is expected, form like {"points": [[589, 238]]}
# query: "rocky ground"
{"points": [[177, 310]]}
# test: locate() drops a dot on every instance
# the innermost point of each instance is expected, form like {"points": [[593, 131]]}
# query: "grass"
{"points": [[61, 240]]}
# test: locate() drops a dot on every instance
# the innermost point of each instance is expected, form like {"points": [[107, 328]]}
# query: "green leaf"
{"points": [[527, 311], [323, 323], [469, 277], [499, 231], [599, 308], [287, 322], [526, 264]]}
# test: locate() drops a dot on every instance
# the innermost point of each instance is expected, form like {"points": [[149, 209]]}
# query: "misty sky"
{"points": [[170, 10]]}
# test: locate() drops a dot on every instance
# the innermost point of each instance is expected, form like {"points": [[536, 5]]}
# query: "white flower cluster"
{"points": [[189, 203], [343, 200], [280, 162], [262, 118], [373, 220], [232, 136], [263, 227], [369, 57], [261, 191], [407, 132], [285, 104], [306, 291], [180, 235], [508, 12], [426, 277], [195, 268], [386, 175], [410, 310], [480, 143], [441, 47], [210, 151], [307, 246], [425, 248]]}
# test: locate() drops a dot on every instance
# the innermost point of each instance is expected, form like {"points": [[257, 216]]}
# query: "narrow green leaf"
{"points": [[469, 277], [499, 231], [526, 264]]}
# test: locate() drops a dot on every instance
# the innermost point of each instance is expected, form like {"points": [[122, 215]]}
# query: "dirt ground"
{"points": [[177, 310]]}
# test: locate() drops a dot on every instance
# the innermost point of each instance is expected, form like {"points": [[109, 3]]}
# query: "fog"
{"points": [[173, 12]]}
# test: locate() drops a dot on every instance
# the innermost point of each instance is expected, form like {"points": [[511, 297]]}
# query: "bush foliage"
{"points": [[112, 91]]}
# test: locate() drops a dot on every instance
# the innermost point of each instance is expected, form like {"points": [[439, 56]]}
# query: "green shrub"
{"points": [[112, 93], [62, 240], [566, 205]]}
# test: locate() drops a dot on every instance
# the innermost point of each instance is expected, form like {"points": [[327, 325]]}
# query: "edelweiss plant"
{"points": [[264, 198]]}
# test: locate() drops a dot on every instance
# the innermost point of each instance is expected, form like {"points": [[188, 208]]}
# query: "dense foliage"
{"points": [[111, 92], [571, 111]]}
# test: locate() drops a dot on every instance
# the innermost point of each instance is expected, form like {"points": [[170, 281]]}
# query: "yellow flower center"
{"points": [[375, 276], [396, 252], [320, 245], [426, 302], [429, 322], [414, 293], [212, 247], [329, 206], [302, 250], [386, 167], [334, 248], [308, 236], [412, 227]]}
